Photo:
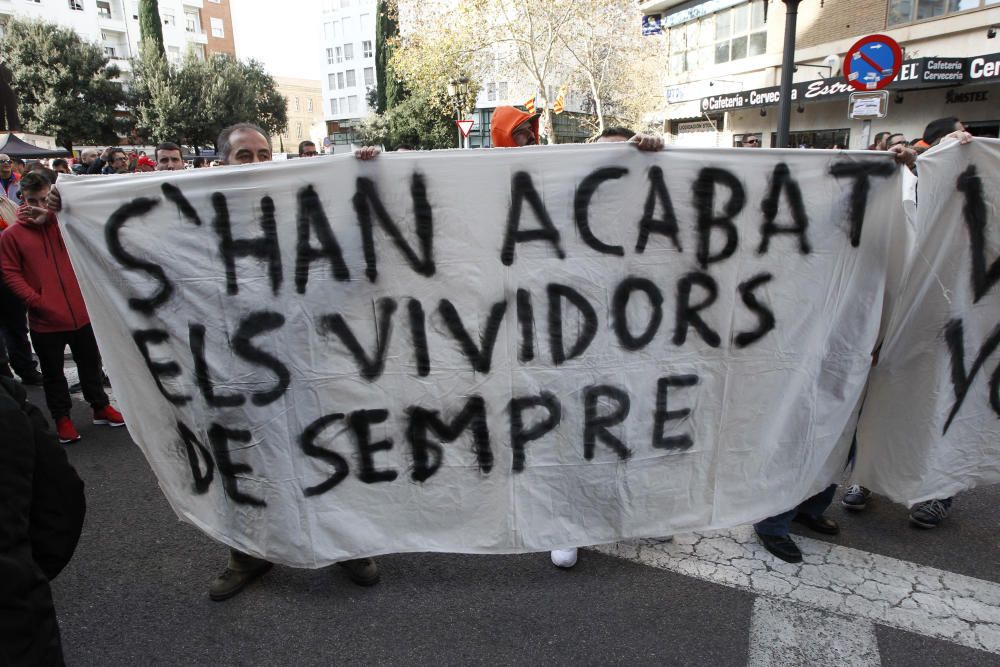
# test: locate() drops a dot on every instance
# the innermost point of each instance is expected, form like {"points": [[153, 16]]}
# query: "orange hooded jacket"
{"points": [[505, 121]]}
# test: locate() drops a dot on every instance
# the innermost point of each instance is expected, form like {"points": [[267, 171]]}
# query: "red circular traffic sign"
{"points": [[873, 62]]}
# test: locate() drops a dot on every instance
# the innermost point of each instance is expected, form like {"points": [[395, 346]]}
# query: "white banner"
{"points": [[489, 351], [930, 426]]}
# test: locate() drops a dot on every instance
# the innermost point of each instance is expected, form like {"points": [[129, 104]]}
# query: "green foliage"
{"points": [[192, 102], [414, 122], [389, 89], [65, 86], [420, 124], [150, 25]]}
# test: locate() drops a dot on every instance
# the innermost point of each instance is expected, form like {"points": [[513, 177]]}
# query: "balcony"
{"points": [[194, 3], [110, 24], [196, 36]]}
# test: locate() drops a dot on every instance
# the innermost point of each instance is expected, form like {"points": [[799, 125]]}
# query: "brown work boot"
{"points": [[362, 571], [240, 571]]}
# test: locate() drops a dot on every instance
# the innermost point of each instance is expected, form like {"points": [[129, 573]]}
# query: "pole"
{"points": [[787, 71]]}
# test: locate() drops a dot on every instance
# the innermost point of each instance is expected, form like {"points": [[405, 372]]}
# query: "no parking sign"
{"points": [[873, 62]]}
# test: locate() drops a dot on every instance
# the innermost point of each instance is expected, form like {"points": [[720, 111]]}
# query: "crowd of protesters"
{"points": [[43, 313]]}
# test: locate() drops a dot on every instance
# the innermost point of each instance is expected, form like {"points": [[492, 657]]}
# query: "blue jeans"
{"points": [[779, 524]]}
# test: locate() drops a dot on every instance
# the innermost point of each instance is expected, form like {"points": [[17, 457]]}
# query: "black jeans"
{"points": [[14, 346], [50, 348]]}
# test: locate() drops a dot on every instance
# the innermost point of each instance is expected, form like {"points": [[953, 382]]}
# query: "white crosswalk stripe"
{"points": [[783, 634], [837, 579]]}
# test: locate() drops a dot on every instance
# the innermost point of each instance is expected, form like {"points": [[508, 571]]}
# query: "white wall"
{"points": [[346, 26]]}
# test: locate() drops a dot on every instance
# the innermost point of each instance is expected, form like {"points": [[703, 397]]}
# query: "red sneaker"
{"points": [[108, 415], [66, 430]]}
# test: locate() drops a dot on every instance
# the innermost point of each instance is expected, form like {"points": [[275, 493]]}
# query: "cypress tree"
{"points": [[150, 25], [389, 90]]}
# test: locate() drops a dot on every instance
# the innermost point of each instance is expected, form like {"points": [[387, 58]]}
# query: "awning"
{"points": [[14, 146]]}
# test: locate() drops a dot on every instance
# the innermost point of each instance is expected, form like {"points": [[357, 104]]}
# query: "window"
{"points": [[109, 51], [191, 22], [340, 80], [329, 56], [369, 76], [731, 34], [366, 24], [332, 80], [348, 52], [343, 105], [908, 11], [333, 105], [491, 92], [218, 28], [352, 78], [366, 49], [345, 3], [352, 104], [104, 9], [296, 104], [340, 54], [174, 54], [502, 91], [309, 105], [76, 5], [298, 130], [168, 17]]}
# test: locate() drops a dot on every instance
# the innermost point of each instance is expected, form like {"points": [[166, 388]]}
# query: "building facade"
{"points": [[348, 64], [203, 27], [305, 110], [724, 68]]}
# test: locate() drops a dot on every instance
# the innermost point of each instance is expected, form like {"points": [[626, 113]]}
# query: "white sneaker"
{"points": [[564, 557]]}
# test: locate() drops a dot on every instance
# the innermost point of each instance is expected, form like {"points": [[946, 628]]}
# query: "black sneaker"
{"points": [[362, 571], [856, 497], [781, 546], [930, 513]]}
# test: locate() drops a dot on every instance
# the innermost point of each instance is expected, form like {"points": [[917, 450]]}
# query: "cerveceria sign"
{"points": [[916, 73]]}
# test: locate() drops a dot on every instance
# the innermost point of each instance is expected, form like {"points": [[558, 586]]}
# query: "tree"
{"points": [[389, 91], [603, 43], [65, 86], [150, 25], [191, 103]]}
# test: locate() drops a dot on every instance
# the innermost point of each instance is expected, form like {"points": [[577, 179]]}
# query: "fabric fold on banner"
{"points": [[930, 427]]}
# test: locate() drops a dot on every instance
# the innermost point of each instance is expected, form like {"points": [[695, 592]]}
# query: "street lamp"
{"points": [[457, 90]]}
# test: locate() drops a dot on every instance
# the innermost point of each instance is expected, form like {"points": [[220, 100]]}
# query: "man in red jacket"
{"points": [[37, 269]]}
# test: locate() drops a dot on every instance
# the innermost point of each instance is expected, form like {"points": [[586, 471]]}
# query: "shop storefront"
{"points": [[926, 88]]}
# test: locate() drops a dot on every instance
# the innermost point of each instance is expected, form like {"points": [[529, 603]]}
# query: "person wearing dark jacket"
{"points": [[37, 269], [42, 507]]}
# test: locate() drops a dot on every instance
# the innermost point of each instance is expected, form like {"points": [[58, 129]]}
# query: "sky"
{"points": [[286, 36]]}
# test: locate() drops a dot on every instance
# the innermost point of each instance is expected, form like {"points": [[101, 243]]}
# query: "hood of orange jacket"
{"points": [[505, 121]]}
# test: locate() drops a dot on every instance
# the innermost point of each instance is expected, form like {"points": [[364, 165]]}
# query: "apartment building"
{"points": [[724, 67], [203, 27], [348, 63], [305, 112]]}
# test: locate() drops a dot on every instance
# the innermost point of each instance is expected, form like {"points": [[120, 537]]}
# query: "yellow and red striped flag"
{"points": [[560, 100], [530, 105]]}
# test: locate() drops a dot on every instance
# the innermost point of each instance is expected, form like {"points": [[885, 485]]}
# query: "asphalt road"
{"points": [[136, 593]]}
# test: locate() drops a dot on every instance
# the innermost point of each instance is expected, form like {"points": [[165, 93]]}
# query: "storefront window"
{"points": [[721, 37], [908, 11], [816, 139]]}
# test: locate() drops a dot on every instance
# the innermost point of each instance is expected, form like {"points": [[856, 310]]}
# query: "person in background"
{"points": [[750, 141], [198, 163], [9, 180], [60, 166], [879, 142], [169, 157], [38, 271], [19, 166], [307, 149], [896, 139]]}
